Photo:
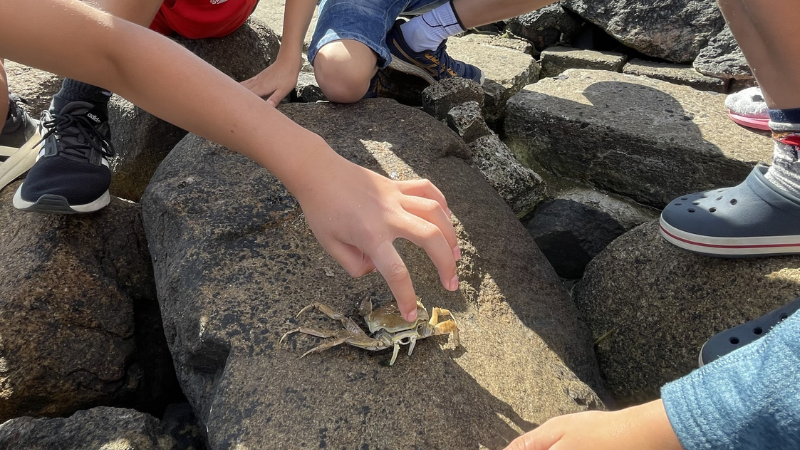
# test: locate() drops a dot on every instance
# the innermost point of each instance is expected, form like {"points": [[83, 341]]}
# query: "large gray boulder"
{"points": [[575, 226], [235, 262], [675, 30], [546, 26], [642, 138], [80, 323], [99, 428], [657, 304], [723, 58], [142, 140]]}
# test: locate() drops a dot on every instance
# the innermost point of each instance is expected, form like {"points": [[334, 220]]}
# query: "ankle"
{"points": [[428, 31]]}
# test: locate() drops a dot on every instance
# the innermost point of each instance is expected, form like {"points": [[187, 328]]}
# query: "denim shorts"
{"points": [[365, 21]]}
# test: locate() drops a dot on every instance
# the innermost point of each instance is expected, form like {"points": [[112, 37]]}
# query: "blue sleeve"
{"points": [[749, 399]]}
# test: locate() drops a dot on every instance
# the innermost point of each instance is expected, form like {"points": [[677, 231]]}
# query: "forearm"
{"points": [[749, 399], [160, 77], [296, 20]]}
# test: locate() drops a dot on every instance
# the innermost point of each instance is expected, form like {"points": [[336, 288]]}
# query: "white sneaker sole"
{"points": [[56, 204]]}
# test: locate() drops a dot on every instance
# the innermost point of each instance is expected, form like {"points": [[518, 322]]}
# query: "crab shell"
{"points": [[388, 318]]}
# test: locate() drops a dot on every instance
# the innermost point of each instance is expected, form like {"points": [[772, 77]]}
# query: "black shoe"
{"points": [[19, 127], [731, 339], [71, 174]]}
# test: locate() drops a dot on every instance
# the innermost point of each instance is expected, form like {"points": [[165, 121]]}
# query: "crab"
{"points": [[387, 328]]}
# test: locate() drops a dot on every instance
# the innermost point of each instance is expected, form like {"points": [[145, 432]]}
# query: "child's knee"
{"points": [[343, 74]]}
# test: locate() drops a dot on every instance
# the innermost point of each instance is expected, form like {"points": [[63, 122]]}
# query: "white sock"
{"points": [[426, 32]]}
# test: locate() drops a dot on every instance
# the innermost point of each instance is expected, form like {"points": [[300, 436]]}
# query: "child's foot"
{"points": [[431, 65], [755, 218], [734, 338], [19, 127], [748, 108], [71, 174]]}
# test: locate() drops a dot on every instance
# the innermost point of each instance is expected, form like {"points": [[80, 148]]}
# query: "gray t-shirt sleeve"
{"points": [[749, 399]]}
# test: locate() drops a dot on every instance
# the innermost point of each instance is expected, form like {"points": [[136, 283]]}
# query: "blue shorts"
{"points": [[365, 21]]}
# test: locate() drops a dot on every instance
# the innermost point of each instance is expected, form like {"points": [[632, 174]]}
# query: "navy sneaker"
{"points": [[71, 174], [431, 65], [379, 85], [19, 127]]}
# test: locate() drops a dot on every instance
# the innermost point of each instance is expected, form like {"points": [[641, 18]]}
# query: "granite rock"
{"points": [[657, 304], [674, 30], [235, 262], [637, 137]]}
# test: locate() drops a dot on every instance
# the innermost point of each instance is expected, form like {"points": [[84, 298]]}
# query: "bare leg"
{"points": [[767, 32], [3, 94], [344, 69], [474, 13], [140, 12]]}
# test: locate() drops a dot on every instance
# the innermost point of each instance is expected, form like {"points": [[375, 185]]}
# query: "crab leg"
{"points": [[325, 309], [311, 331], [326, 345], [435, 313], [448, 326], [394, 354]]}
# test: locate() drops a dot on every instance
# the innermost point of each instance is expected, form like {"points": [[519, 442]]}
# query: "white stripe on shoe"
{"points": [[730, 247]]}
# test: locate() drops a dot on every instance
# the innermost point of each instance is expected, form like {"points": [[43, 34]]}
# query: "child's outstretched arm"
{"points": [[277, 80], [354, 212]]}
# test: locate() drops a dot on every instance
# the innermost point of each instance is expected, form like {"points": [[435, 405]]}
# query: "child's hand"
{"points": [[644, 427], [277, 80], [356, 214]]}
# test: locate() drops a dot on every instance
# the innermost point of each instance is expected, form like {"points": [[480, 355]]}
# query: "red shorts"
{"points": [[197, 19]]}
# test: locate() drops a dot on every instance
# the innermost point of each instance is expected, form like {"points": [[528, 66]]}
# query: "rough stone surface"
{"points": [[142, 140], [556, 60], [506, 70], [675, 30], [575, 228], [99, 428], [307, 90], [438, 99], [738, 85], [545, 27], [519, 186], [36, 86], [677, 74], [180, 422], [235, 262], [641, 138], [80, 324], [661, 304], [723, 58], [467, 121]]}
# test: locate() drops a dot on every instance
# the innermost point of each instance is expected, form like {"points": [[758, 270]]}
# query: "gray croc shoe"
{"points": [[754, 218], [733, 338]]}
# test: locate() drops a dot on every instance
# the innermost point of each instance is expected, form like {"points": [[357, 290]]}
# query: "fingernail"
{"points": [[449, 213], [412, 316], [456, 253], [454, 283]]}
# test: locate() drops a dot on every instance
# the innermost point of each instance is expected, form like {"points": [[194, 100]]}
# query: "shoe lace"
{"points": [[86, 136], [444, 63]]}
